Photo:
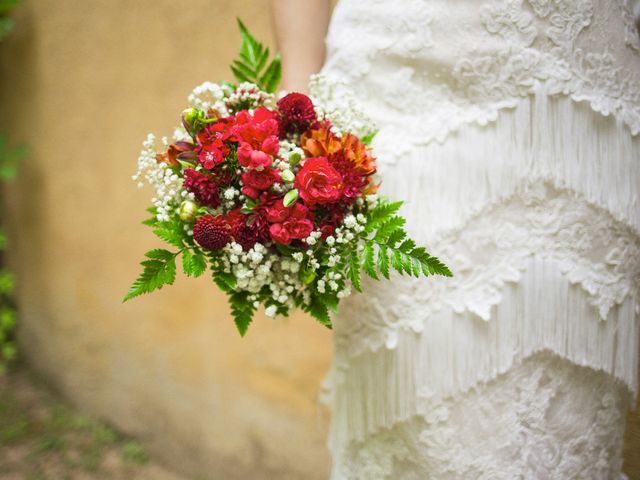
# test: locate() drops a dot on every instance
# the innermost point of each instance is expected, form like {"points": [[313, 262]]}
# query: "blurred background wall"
{"points": [[83, 82]]}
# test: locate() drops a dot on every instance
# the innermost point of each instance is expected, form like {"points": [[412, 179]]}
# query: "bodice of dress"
{"points": [[444, 64], [511, 128]]}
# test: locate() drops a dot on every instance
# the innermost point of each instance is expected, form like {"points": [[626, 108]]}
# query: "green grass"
{"points": [[48, 431]]}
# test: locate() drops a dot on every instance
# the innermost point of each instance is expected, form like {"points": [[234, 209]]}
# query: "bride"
{"points": [[510, 127]]}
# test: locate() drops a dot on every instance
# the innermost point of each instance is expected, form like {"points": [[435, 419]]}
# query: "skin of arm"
{"points": [[300, 27]]}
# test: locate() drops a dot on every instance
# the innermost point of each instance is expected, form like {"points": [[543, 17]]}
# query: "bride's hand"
{"points": [[301, 27]]}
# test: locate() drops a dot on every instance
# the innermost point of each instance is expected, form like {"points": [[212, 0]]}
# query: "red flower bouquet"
{"points": [[274, 197]]}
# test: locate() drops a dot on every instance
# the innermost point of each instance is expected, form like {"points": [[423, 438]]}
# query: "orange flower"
{"points": [[321, 142]]}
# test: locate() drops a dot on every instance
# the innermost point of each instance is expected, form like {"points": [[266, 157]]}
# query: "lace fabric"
{"points": [[510, 128], [448, 64], [522, 425]]}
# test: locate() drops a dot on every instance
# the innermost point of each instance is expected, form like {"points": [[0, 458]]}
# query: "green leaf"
{"points": [[7, 319], [388, 227], [253, 58], [381, 213], [160, 254], [272, 76], [396, 261], [318, 310], [247, 74], [157, 272], [170, 232], [430, 265], [9, 157], [368, 261], [353, 269], [368, 138], [7, 5], [395, 237], [6, 282], [6, 24], [227, 282], [198, 264], [242, 311], [407, 246], [193, 264], [383, 260]]}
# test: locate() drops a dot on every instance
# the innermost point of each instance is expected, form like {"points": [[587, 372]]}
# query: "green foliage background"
{"points": [[9, 158]]}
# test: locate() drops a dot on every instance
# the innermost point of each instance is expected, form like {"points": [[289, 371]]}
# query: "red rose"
{"points": [[318, 182], [260, 179]]}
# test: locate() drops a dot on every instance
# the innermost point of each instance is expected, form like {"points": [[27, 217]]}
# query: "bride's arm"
{"points": [[301, 26]]}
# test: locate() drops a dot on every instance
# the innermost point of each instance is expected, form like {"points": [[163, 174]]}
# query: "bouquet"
{"points": [[276, 197]]}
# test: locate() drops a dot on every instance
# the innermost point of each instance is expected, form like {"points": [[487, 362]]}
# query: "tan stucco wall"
{"points": [[82, 82]]}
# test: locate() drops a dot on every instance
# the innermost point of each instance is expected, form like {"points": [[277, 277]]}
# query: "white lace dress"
{"points": [[511, 128]]}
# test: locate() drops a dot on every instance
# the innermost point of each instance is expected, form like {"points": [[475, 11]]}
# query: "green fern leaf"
{"points": [[242, 311], [383, 260], [156, 273], [270, 80], [353, 270], [395, 237], [170, 232], [381, 213], [407, 246], [396, 261], [388, 227], [318, 310], [198, 264], [368, 261], [225, 281]]}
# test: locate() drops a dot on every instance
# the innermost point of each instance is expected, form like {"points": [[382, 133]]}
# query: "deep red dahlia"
{"points": [[247, 230], [203, 187], [296, 113], [212, 233], [249, 235]]}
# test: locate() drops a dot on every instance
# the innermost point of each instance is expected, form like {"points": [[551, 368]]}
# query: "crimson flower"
{"points": [[212, 233], [289, 223], [296, 113], [203, 187], [318, 182], [256, 181], [258, 137], [212, 140]]}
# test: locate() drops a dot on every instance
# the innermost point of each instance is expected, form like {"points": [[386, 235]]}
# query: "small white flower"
{"points": [[270, 311], [350, 221]]}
